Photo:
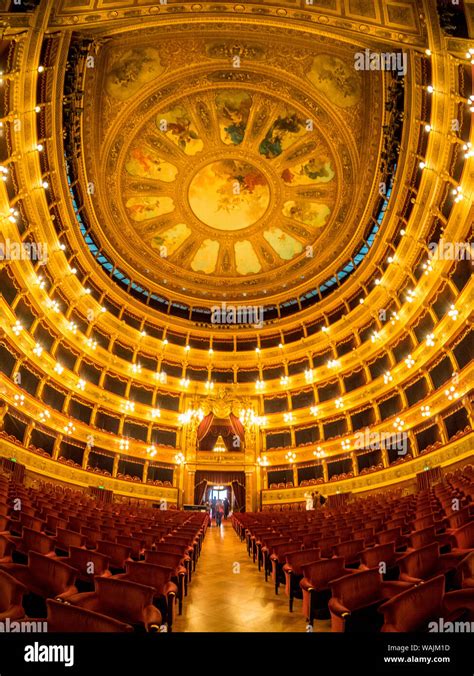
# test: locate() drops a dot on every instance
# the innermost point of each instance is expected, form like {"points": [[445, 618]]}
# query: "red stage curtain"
{"points": [[227, 428], [239, 494], [204, 426], [237, 426], [200, 492]]}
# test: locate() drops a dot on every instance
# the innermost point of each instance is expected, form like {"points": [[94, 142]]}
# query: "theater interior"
{"points": [[213, 421]]}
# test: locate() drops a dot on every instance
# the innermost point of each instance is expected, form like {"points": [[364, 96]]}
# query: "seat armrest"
{"points": [[404, 577], [152, 619], [336, 607]]}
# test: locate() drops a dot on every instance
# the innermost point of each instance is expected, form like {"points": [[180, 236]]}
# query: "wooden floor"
{"points": [[229, 594]]}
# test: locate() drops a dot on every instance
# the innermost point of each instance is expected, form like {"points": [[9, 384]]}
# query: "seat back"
{"points": [[421, 562], [365, 534], [423, 522], [92, 536], [135, 545], [349, 549], [374, 556], [11, 592], [390, 535], [69, 538], [31, 522], [412, 609], [117, 553], [464, 536], [123, 598], [359, 589], [54, 522], [171, 549], [163, 559], [81, 559], [6, 547], [63, 617], [326, 545], [52, 575], [460, 518], [320, 573], [36, 542], [420, 538], [298, 559], [149, 573]]}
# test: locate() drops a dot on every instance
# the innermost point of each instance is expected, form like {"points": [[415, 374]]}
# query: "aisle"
{"points": [[228, 594]]}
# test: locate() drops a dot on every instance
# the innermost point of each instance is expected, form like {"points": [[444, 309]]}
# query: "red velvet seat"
{"points": [[33, 541], [293, 571], [414, 609], [277, 559], [66, 618], [122, 600], [315, 585], [6, 549], [44, 576], [425, 563], [392, 535], [134, 544], [382, 557], [271, 545], [92, 536], [118, 554], [426, 536], [466, 572], [157, 577], [53, 522], [356, 598], [350, 551], [69, 538], [326, 545], [463, 540], [89, 564], [190, 547], [365, 534], [168, 548], [11, 597], [180, 573]]}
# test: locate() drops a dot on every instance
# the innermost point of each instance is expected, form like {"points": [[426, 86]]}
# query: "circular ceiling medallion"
{"points": [[223, 179], [229, 195]]}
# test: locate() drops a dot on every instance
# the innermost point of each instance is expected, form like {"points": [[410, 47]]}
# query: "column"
{"points": [[85, 457], [385, 458], [116, 464], [442, 429], [325, 471], [57, 446], [295, 476], [413, 443], [355, 467], [145, 471]]}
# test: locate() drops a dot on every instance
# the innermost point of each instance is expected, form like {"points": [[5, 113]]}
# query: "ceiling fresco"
{"points": [[219, 176]]}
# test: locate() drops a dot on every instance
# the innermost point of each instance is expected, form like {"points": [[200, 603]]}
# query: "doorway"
{"points": [[219, 493]]}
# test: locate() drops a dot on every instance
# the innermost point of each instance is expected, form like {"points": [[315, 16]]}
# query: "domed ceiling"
{"points": [[229, 167]]}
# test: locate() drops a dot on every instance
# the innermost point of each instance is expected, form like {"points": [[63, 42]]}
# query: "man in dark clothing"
{"points": [[226, 508]]}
